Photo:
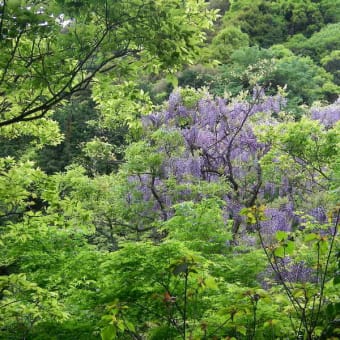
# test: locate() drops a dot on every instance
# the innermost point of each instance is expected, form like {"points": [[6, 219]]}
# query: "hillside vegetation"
{"points": [[169, 169]]}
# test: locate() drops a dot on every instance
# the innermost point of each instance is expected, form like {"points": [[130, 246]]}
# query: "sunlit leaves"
{"points": [[121, 103], [200, 225], [25, 304], [52, 51]]}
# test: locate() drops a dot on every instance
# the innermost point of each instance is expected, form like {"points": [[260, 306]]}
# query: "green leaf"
{"points": [[120, 325], [311, 237], [210, 283], [289, 247], [323, 244], [281, 235], [298, 293], [242, 330], [130, 326], [108, 333], [279, 252], [171, 78], [271, 323]]}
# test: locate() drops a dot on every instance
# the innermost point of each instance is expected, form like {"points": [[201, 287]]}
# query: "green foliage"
{"points": [[305, 81], [319, 45], [331, 64], [157, 283], [306, 144], [40, 241], [249, 66], [259, 19], [330, 10], [274, 68], [272, 22], [102, 238], [226, 41], [200, 226], [74, 120], [46, 59], [24, 304], [122, 103]]}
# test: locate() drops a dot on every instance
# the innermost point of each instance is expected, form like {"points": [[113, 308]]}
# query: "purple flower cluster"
{"points": [[182, 167], [278, 219], [288, 271], [219, 143], [295, 272], [327, 115], [320, 214]]}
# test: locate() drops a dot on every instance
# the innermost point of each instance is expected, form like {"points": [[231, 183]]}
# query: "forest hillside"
{"points": [[169, 169]]}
